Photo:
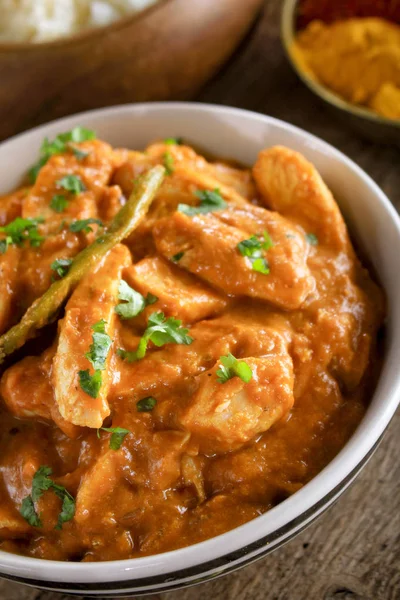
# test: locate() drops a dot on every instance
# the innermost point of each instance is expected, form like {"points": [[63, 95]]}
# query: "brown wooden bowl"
{"points": [[166, 52]]}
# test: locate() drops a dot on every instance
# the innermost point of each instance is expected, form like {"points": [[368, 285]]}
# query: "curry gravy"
{"points": [[249, 365]]}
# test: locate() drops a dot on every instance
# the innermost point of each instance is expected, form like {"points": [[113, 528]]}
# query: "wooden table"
{"points": [[353, 551]]}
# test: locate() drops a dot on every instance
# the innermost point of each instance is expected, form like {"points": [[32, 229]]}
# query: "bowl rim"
{"points": [[287, 36], [319, 489], [83, 35]]}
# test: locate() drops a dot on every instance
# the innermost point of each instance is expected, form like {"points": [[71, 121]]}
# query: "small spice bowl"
{"points": [[365, 121]]}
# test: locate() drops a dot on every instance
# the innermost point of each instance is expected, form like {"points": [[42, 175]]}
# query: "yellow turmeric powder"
{"points": [[358, 59]]}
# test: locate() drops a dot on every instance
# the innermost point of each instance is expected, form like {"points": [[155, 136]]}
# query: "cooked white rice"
{"points": [[41, 20]]}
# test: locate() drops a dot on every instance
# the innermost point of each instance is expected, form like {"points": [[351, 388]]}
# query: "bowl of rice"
{"points": [[62, 56]]}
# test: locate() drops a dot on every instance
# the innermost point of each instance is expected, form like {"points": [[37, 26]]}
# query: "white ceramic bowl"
{"points": [[375, 225]]}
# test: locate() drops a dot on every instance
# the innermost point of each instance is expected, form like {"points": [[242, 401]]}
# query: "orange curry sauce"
{"points": [[205, 449]]}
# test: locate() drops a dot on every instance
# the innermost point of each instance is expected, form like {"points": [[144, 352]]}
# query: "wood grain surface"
{"points": [[353, 551]]}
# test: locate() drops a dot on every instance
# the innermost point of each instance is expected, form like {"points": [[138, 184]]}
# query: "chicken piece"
{"points": [[126, 174], [35, 273], [224, 416], [11, 205], [94, 170], [210, 251], [20, 460], [164, 458], [176, 365], [241, 180], [185, 159], [256, 219], [188, 167], [179, 294], [26, 400], [93, 300], [12, 525], [98, 483], [292, 186], [110, 202], [9, 285], [192, 475]]}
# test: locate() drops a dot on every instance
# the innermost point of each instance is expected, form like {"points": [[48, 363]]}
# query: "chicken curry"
{"points": [[185, 343]]}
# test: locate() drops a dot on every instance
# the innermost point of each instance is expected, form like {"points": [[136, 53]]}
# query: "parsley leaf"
{"points": [[253, 248], [41, 482], [134, 303], [59, 145], [160, 331], [98, 350], [177, 257], [210, 200], [59, 203], [83, 225], [90, 384], [168, 162], [20, 230], [61, 266], [146, 404], [232, 367], [312, 239], [173, 141], [71, 183], [117, 437]]}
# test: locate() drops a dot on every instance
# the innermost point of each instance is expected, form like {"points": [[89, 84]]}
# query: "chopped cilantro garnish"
{"points": [[61, 266], [98, 350], [41, 483], [253, 249], [83, 225], [29, 513], [168, 162], [173, 141], [232, 367], [260, 265], [117, 437], [177, 257], [34, 170], [160, 331], [61, 144], [4, 245], [210, 200], [97, 356], [134, 303], [129, 356], [59, 203], [146, 404], [71, 183], [67, 510], [20, 230], [79, 154], [90, 384], [312, 239]]}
